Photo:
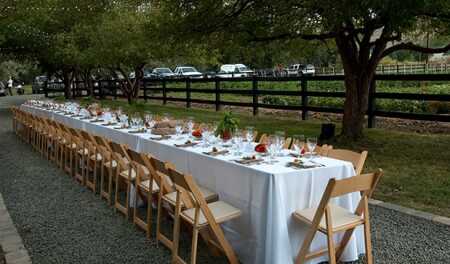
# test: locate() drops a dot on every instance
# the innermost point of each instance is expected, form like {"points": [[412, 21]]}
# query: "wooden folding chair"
{"points": [[357, 159], [145, 178], [200, 215], [93, 161], [124, 177], [78, 156], [167, 195], [330, 219], [108, 168]]}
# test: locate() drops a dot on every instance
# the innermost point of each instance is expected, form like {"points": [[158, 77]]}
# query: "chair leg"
{"points": [[367, 236], [176, 233], [149, 213], [194, 246], [331, 248]]}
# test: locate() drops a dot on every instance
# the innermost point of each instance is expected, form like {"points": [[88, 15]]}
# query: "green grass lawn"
{"points": [[417, 166]]}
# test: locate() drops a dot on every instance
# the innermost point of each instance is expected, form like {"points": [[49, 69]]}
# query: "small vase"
{"points": [[226, 135]]}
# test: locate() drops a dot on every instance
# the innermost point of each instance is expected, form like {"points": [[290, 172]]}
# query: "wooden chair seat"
{"points": [[83, 152], [99, 157], [342, 218], [126, 173], [146, 186], [220, 210], [209, 196], [112, 163]]}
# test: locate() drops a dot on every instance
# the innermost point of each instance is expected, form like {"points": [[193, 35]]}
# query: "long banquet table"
{"points": [[266, 194]]}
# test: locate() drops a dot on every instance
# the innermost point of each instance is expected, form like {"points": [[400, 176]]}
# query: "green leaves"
{"points": [[229, 124]]}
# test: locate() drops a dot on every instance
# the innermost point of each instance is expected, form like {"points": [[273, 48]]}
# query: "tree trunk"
{"points": [[359, 71], [355, 106], [67, 80]]}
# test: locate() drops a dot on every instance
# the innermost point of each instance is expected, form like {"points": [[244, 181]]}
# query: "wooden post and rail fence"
{"points": [[160, 90]]}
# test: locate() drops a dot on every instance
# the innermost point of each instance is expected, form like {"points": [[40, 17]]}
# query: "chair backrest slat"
{"points": [[357, 159], [358, 183]]}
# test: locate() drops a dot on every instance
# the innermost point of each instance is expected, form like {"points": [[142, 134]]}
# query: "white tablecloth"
{"points": [[266, 194]]}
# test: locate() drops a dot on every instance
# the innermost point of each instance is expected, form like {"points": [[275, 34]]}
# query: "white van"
{"points": [[234, 70]]}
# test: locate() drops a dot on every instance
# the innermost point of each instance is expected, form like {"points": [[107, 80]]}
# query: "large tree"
{"points": [[40, 30], [364, 32], [124, 41]]}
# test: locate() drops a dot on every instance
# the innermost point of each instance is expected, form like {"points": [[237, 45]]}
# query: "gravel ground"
{"points": [[61, 222]]}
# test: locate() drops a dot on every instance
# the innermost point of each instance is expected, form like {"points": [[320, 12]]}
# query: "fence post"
{"points": [[188, 93], [164, 92], [255, 95], [304, 97], [371, 103], [217, 82]]}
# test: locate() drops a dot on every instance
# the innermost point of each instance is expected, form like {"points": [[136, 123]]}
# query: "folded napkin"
{"points": [[109, 124], [249, 161], [119, 127], [301, 165], [185, 145], [160, 138], [216, 153], [136, 131]]}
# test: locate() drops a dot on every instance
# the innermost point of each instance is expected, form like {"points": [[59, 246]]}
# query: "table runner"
{"points": [[267, 194]]}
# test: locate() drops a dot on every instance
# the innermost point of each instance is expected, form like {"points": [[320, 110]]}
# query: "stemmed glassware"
{"points": [[237, 140], [190, 125], [249, 134], [279, 142], [148, 121], [311, 143], [299, 143], [272, 148], [178, 129]]}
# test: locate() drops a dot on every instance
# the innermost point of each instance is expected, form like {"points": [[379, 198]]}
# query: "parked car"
{"points": [[38, 84], [301, 69], [162, 73], [147, 74], [234, 70], [187, 71]]}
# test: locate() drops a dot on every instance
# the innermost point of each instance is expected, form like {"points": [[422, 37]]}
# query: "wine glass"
{"points": [[249, 134], [311, 143], [299, 144], [237, 142], [178, 130], [272, 149], [279, 141], [190, 125]]}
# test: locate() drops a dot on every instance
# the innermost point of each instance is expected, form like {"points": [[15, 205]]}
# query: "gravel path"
{"points": [[61, 222]]}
